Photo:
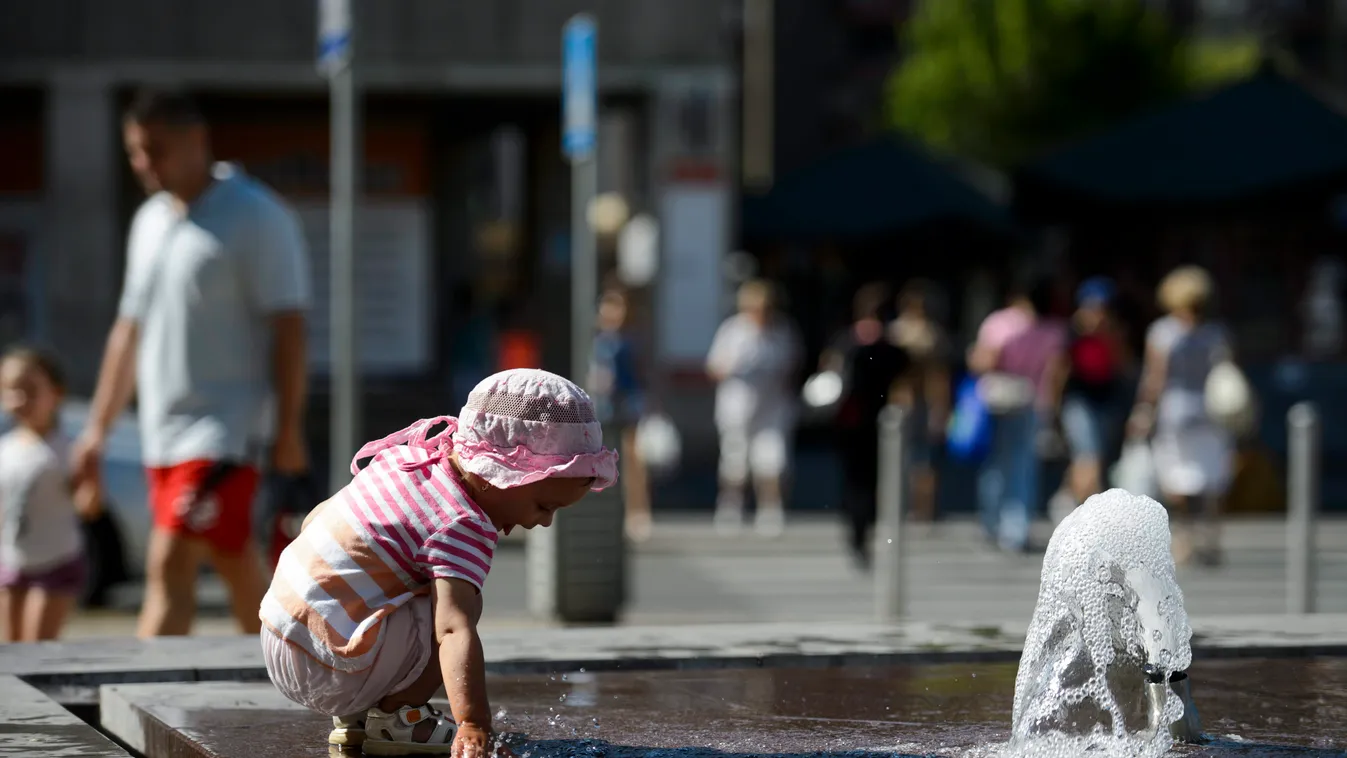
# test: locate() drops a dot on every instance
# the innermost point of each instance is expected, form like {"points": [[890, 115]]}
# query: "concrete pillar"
{"points": [[83, 247], [577, 568]]}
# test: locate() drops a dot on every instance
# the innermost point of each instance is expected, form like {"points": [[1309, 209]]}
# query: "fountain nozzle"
{"points": [[1189, 726]]}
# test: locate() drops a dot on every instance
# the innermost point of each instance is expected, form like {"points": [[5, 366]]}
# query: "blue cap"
{"points": [[1097, 290]]}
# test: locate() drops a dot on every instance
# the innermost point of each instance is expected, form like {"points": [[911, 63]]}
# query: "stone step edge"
{"points": [[26, 710]]}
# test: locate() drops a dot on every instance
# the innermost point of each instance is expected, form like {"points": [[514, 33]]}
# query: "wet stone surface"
{"points": [[1285, 707], [31, 724]]}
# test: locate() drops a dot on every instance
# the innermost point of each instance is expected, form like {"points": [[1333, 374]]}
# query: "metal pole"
{"points": [[1302, 505], [889, 534], [345, 171], [584, 264]]}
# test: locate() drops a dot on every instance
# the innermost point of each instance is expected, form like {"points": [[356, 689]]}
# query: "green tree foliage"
{"points": [[1000, 80]]}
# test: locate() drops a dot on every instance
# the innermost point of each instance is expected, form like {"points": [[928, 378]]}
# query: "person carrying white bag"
{"points": [[1192, 402]]}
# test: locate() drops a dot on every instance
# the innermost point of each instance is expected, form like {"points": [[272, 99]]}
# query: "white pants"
{"points": [[406, 649], [762, 450]]}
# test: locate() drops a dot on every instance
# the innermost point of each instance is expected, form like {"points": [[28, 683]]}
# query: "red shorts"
{"points": [[221, 515]]}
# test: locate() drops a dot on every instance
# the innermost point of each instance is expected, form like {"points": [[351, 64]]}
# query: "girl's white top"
{"points": [[39, 527], [757, 363]]}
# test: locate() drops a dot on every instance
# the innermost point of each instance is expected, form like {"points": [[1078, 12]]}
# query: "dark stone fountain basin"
{"points": [[1252, 707]]}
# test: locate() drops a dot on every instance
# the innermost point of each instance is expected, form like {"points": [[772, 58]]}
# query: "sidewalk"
{"points": [[688, 575]]}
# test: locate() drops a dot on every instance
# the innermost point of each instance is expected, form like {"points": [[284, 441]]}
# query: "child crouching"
{"points": [[375, 605]]}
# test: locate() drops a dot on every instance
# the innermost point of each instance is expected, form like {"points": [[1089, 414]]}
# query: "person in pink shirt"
{"points": [[1020, 357], [375, 605]]}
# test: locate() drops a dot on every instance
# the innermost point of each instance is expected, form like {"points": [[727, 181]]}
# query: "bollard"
{"points": [[1302, 505], [888, 534], [577, 568]]}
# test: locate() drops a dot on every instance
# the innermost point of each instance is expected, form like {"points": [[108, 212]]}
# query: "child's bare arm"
{"points": [[458, 607], [313, 514]]}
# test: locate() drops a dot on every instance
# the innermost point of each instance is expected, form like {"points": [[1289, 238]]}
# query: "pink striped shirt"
{"points": [[402, 522]]}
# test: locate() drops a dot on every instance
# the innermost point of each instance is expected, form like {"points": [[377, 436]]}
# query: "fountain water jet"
{"points": [[1104, 662]]}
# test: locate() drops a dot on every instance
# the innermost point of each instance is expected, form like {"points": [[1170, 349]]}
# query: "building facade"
{"points": [[465, 213]]}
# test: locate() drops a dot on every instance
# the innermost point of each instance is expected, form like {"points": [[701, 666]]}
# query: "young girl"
{"points": [[375, 605], [42, 561]]}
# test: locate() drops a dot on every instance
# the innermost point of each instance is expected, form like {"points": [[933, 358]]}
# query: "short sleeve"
{"points": [[461, 550], [990, 331], [135, 299], [278, 261], [720, 358], [1160, 336]]}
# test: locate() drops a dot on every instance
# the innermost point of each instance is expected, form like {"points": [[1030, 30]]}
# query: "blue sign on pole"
{"points": [[334, 35], [579, 87]]}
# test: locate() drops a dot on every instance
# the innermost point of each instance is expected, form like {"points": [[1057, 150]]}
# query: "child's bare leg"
{"points": [[45, 613], [418, 693], [11, 612]]}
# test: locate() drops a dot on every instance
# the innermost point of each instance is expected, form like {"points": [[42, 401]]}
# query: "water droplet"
{"points": [[889, 541], [582, 669], [975, 676], [562, 699]]}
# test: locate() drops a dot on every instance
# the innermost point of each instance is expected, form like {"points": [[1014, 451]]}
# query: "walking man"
{"points": [[210, 336]]}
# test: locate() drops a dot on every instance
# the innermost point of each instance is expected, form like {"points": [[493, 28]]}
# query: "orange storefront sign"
{"points": [[292, 155], [518, 349]]}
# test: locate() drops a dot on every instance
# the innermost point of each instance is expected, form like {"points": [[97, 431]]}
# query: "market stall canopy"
{"points": [[1257, 136], [881, 187]]}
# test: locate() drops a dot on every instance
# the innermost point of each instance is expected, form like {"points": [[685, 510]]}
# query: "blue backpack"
{"points": [[969, 437]]}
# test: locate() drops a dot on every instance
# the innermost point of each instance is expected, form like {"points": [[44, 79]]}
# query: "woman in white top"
{"points": [[753, 359], [1193, 454]]}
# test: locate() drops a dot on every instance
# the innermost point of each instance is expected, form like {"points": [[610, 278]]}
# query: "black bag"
{"points": [[107, 558], [286, 500]]}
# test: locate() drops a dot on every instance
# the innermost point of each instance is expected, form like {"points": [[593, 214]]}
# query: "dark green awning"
{"points": [[878, 188], [1259, 135]]}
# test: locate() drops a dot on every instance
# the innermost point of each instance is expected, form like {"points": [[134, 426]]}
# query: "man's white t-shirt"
{"points": [[202, 283]]}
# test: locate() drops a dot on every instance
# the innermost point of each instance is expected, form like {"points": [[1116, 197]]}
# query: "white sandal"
{"points": [[347, 731], [392, 733]]}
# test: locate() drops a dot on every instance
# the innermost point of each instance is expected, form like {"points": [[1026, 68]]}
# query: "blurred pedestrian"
{"points": [[753, 359], [871, 368], [616, 388], [210, 337], [918, 332], [1094, 405], [1019, 356], [43, 566], [1193, 453]]}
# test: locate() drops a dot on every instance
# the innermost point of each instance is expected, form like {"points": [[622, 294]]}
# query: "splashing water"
{"points": [[1108, 605]]}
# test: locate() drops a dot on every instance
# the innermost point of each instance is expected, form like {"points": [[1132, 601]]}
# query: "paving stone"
{"points": [[32, 724]]}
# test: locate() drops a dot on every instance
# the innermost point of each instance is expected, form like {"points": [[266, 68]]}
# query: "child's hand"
{"points": [[475, 742], [88, 498]]}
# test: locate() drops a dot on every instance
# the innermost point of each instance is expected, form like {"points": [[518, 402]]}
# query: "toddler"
{"points": [[42, 562], [375, 605]]}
